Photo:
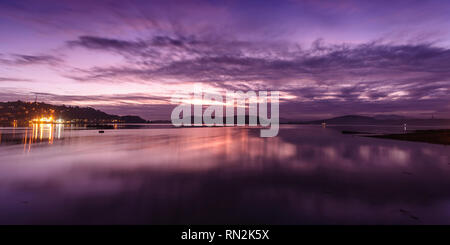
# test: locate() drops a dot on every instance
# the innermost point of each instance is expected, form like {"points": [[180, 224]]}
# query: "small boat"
{"points": [[324, 125], [101, 132]]}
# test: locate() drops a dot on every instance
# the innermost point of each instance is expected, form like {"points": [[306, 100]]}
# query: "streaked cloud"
{"points": [[326, 57]]}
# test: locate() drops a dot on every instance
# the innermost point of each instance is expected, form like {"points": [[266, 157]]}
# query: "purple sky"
{"points": [[327, 58]]}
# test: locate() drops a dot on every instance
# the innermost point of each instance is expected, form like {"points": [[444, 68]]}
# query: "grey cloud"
{"points": [[104, 98], [101, 43], [375, 70], [21, 59], [13, 79], [240, 59]]}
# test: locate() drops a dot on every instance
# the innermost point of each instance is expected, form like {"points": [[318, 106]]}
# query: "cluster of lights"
{"points": [[47, 120]]}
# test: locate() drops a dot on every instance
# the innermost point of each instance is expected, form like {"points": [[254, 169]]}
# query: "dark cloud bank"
{"points": [[369, 78], [237, 45]]}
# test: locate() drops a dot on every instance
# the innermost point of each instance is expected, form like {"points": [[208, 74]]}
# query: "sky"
{"points": [[327, 58]]}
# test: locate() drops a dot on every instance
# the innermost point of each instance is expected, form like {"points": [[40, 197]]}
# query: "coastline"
{"points": [[437, 136]]}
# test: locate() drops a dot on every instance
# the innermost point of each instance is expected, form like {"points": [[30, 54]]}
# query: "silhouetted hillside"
{"points": [[25, 111], [380, 120], [352, 119]]}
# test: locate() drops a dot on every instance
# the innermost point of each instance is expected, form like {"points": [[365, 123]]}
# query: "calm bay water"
{"points": [[162, 175]]}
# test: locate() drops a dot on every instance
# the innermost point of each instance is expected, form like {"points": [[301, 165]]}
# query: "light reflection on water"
{"points": [[306, 175], [36, 133]]}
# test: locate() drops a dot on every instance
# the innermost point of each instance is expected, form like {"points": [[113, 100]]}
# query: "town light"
{"points": [[43, 120]]}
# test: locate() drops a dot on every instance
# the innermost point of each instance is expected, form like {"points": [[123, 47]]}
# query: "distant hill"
{"points": [[223, 120], [234, 119], [389, 117], [23, 112], [350, 120], [379, 120], [353, 119]]}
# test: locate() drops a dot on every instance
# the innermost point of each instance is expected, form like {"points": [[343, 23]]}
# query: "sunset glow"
{"points": [[316, 53]]}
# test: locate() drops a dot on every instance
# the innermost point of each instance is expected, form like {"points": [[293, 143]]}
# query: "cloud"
{"points": [[361, 68], [122, 99], [21, 60], [13, 79], [240, 45], [382, 76], [101, 43]]}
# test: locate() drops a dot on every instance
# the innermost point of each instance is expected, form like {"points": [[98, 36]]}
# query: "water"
{"points": [[161, 175]]}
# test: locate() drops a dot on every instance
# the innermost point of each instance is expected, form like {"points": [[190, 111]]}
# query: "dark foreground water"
{"points": [[160, 175]]}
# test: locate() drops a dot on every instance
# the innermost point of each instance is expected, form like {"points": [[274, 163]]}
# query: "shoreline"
{"points": [[437, 136]]}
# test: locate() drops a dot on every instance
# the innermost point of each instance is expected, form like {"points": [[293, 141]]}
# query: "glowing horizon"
{"points": [[326, 58]]}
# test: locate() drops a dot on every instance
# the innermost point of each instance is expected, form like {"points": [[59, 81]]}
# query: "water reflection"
{"points": [[306, 175], [36, 133]]}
